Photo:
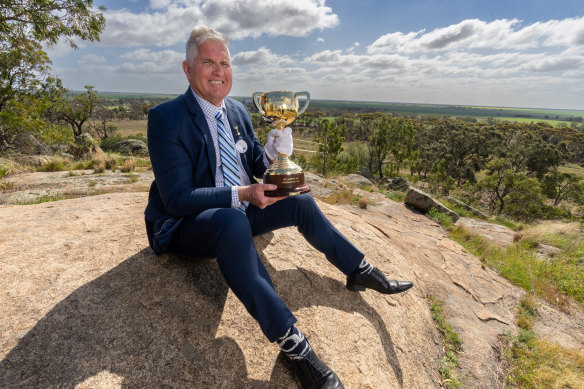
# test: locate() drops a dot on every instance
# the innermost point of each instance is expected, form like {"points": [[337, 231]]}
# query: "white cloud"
{"points": [[92, 59], [261, 56], [320, 40], [173, 20], [500, 34], [162, 56]]}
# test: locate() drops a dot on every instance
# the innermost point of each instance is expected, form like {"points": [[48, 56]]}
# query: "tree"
{"points": [[510, 192], [402, 133], [75, 111], [330, 139], [379, 144], [27, 24], [560, 186]]}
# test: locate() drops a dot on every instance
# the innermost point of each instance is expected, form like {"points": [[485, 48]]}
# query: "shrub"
{"points": [[98, 162], [111, 163], [128, 166], [56, 164]]}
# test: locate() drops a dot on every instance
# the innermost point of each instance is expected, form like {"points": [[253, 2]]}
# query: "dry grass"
{"points": [[131, 127], [543, 231]]}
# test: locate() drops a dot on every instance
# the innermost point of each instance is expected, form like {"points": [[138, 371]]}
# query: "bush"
{"points": [[107, 144], [98, 162], [111, 163], [128, 166], [56, 164]]}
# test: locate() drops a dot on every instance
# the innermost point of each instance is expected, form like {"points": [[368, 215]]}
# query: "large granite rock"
{"points": [[423, 202], [132, 147], [85, 303]]}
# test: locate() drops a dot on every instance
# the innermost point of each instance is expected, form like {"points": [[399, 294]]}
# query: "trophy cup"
{"points": [[280, 108]]}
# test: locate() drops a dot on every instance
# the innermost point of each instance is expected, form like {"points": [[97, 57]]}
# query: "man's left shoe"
{"points": [[312, 373], [376, 280]]}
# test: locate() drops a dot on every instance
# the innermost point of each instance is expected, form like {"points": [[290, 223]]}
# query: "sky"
{"points": [[510, 53]]}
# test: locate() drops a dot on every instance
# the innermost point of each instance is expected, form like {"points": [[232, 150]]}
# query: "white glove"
{"points": [[279, 141], [284, 143], [270, 147]]}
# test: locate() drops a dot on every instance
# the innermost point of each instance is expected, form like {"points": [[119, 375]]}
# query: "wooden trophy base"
{"points": [[288, 184]]}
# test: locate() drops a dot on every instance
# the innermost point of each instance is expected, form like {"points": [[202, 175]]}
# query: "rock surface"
{"points": [[495, 233], [132, 147], [85, 303]]}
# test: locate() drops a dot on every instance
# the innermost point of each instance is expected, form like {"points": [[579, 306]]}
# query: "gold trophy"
{"points": [[280, 108]]}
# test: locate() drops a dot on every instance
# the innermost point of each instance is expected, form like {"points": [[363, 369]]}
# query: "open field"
{"points": [[128, 127]]}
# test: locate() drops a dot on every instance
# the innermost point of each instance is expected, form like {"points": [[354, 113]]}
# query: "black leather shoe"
{"points": [[376, 280], [312, 373]]}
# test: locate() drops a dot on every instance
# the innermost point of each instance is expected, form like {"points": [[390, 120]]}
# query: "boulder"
{"points": [[131, 147], [423, 202], [396, 183], [88, 304], [356, 180]]}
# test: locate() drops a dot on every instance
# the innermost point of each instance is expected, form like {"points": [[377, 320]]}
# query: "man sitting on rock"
{"points": [[205, 202]]}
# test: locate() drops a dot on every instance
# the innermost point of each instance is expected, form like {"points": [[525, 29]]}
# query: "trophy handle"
{"points": [[256, 97], [305, 101]]}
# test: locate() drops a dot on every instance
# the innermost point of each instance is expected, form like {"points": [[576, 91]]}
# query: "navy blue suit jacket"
{"points": [[184, 159]]}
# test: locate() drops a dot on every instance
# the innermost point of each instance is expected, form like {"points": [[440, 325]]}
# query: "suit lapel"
{"points": [[201, 123]]}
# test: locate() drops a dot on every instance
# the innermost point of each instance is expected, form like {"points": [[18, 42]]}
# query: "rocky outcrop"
{"points": [[85, 303], [423, 202], [357, 180], [132, 147], [495, 233]]}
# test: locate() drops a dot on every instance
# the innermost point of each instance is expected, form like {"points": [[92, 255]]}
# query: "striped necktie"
{"points": [[228, 158]]}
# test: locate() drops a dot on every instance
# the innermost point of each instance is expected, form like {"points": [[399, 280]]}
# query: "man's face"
{"points": [[210, 74]]}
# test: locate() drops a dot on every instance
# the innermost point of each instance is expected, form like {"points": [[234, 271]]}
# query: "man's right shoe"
{"points": [[375, 280], [314, 374]]}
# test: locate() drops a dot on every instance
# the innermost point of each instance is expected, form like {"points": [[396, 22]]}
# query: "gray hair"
{"points": [[199, 35]]}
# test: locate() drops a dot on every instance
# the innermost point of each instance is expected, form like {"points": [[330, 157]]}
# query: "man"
{"points": [[205, 201]]}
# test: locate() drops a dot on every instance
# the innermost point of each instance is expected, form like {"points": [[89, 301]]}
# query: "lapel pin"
{"points": [[241, 146], [237, 130]]}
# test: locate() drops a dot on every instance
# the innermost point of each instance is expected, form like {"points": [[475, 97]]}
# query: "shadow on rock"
{"points": [[151, 322]]}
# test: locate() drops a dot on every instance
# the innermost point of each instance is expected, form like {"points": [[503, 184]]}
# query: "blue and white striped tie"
{"points": [[228, 158]]}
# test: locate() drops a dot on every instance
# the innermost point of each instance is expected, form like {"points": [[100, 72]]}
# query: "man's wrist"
{"points": [[242, 193]]}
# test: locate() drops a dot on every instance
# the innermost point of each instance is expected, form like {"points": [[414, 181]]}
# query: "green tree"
{"points": [[75, 111], [561, 186], [25, 26], [330, 139], [402, 133], [509, 192], [379, 144]]}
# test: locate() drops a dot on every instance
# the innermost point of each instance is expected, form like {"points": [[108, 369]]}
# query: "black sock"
{"points": [[294, 344]]}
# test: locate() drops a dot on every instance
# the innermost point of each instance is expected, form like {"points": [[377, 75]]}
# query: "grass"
{"points": [[537, 364], [554, 280], [345, 196], [5, 186], [452, 346], [440, 217], [398, 197]]}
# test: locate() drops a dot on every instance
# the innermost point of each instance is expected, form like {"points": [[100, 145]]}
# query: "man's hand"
{"points": [[279, 141], [255, 194], [284, 143], [270, 147]]}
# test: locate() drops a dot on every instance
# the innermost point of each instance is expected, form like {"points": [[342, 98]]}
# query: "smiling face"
{"points": [[210, 73]]}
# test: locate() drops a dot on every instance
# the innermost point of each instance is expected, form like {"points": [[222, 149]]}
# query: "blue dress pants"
{"points": [[226, 234]]}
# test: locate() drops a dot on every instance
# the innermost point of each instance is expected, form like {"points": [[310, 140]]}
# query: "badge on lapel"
{"points": [[241, 146]]}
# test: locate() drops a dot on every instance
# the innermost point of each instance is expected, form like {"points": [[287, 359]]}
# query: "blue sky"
{"points": [[521, 53]]}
